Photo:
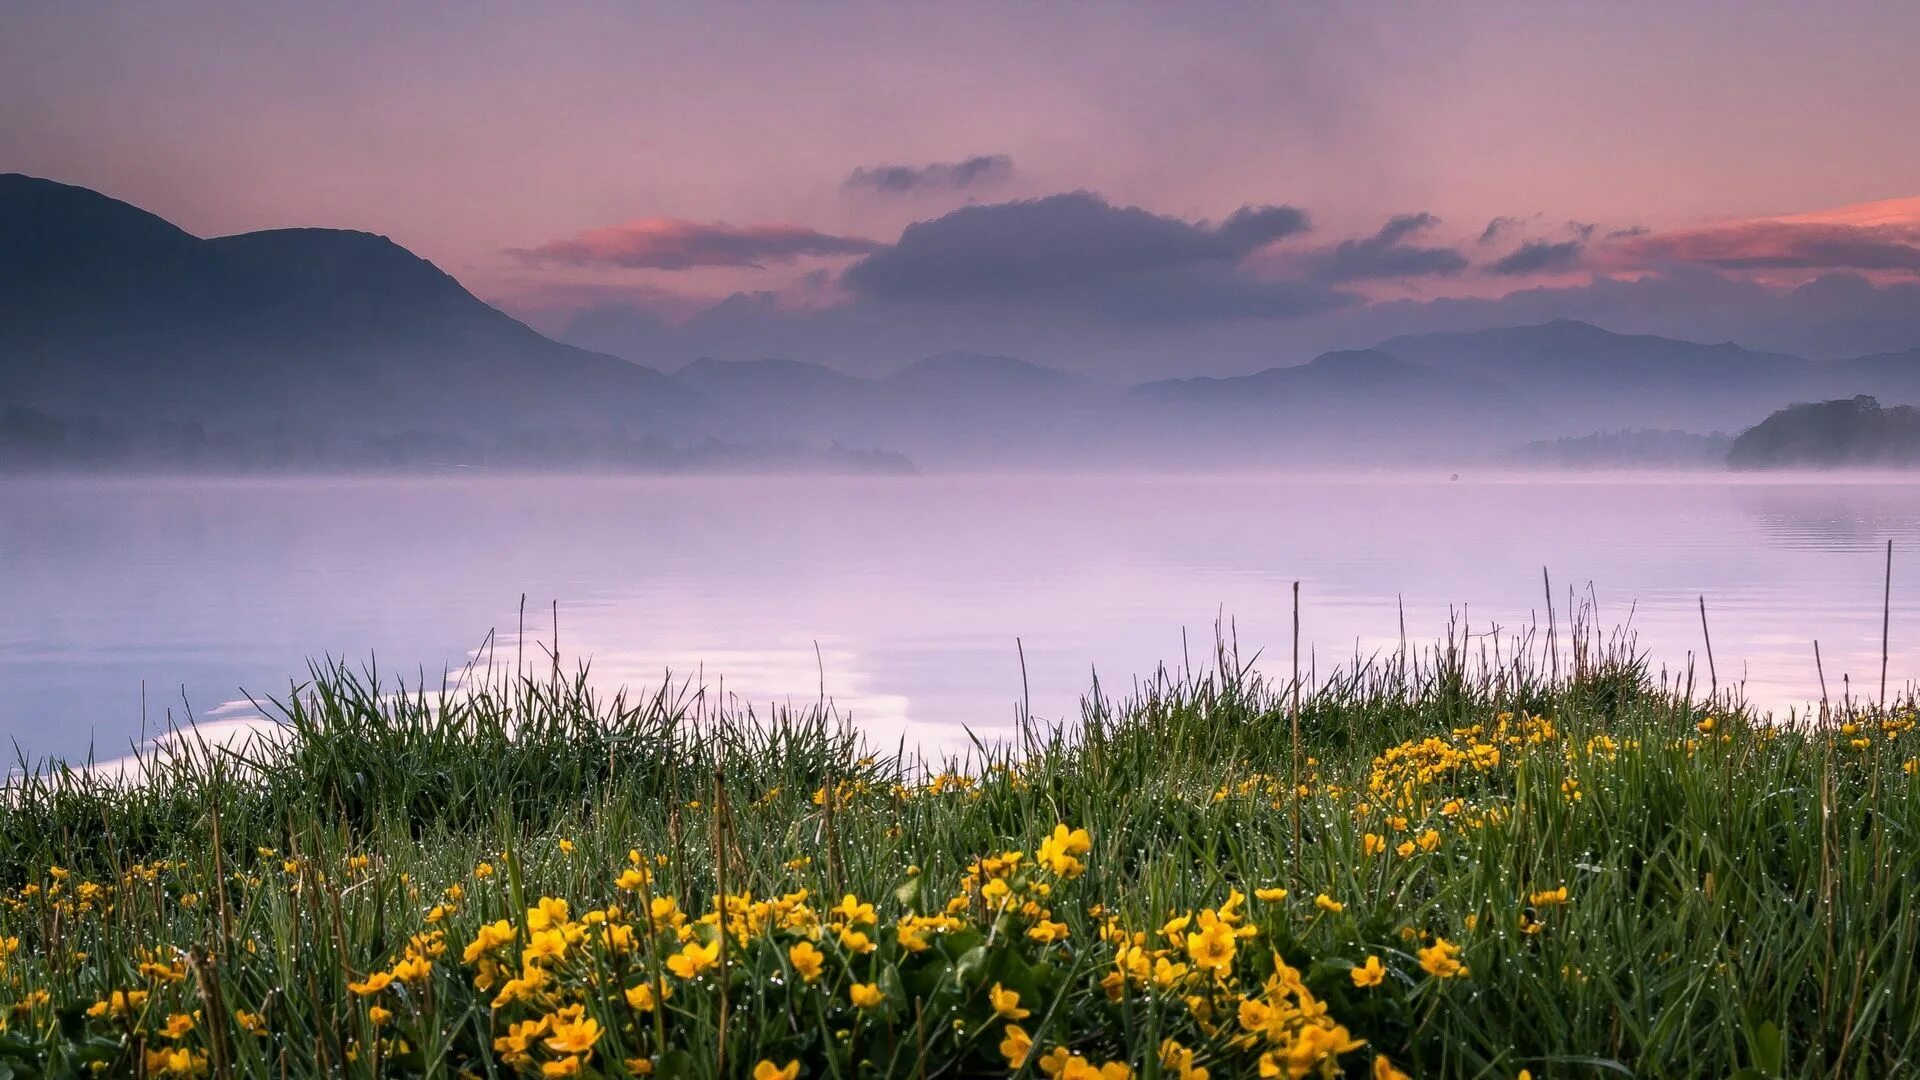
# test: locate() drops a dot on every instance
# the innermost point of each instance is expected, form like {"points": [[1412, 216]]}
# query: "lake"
{"points": [[906, 594]]}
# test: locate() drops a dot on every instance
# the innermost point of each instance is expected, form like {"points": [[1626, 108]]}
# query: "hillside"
{"points": [[109, 311], [1851, 432]]}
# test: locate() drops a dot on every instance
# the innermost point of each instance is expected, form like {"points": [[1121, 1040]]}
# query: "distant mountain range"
{"points": [[111, 318], [1555, 379]]}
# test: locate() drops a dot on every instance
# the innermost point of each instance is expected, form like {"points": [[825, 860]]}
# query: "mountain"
{"points": [[1584, 377], [107, 310], [1352, 404], [1353, 377], [976, 375], [770, 377], [1892, 376], [121, 334], [794, 400], [1851, 432], [1570, 349]]}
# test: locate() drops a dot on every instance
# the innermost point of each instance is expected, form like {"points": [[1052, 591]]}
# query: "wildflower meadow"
{"points": [[1442, 864]]}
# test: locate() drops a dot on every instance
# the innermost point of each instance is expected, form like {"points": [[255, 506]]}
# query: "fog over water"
{"points": [[914, 589]]}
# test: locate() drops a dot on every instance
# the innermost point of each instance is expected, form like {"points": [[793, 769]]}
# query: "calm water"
{"points": [[913, 590]]}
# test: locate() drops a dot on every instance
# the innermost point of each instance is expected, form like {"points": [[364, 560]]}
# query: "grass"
{"points": [[519, 877]]}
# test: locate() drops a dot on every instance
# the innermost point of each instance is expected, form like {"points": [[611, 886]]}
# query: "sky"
{"points": [[1130, 188]]}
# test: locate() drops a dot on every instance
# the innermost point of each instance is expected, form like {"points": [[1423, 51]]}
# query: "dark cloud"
{"points": [[1780, 245], [1539, 256], [671, 244], [1499, 227], [1078, 253], [1383, 255], [978, 170]]}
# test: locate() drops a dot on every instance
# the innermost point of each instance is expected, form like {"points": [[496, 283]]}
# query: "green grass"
{"points": [[1741, 901]]}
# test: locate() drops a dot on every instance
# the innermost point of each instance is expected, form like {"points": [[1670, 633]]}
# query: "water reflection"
{"points": [[913, 590]]}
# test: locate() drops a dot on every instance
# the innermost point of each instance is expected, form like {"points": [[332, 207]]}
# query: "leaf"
{"points": [[971, 966], [1767, 1048], [673, 1065]]}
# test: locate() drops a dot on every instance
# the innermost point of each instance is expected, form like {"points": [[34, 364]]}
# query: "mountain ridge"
{"points": [[109, 309]]}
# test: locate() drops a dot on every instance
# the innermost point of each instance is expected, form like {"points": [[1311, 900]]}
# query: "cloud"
{"points": [[1078, 253], [1499, 227], [1902, 211], [1382, 255], [1539, 256], [980, 169], [1786, 245], [673, 244]]}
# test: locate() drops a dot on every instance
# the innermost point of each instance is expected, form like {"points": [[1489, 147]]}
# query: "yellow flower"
{"points": [[866, 996], [489, 937], [1016, 1045], [1178, 1060], [1548, 897], [630, 878], [373, 984], [1270, 896], [413, 969], [1404, 849], [119, 1003], [566, 1066], [1442, 960], [856, 942], [693, 959], [664, 911], [1167, 974], [574, 1036], [549, 912], [566, 847], [806, 960], [1384, 1070], [1328, 903], [177, 1026], [1373, 844], [1046, 931], [1006, 1003], [522, 988], [379, 1016], [180, 1062], [1058, 852], [548, 944], [642, 997], [1212, 948], [767, 1070], [852, 910], [1371, 973]]}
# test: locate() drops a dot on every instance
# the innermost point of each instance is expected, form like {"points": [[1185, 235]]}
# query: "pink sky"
{"points": [[496, 138]]}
